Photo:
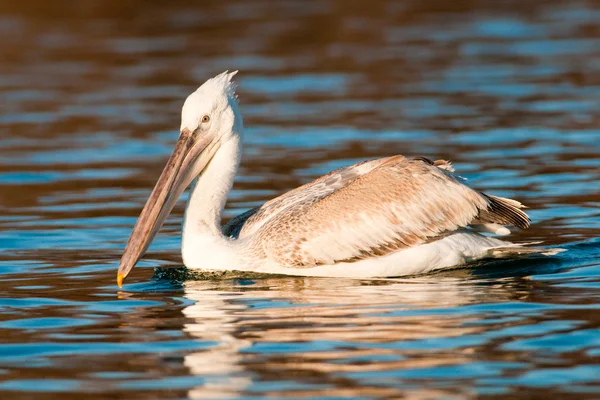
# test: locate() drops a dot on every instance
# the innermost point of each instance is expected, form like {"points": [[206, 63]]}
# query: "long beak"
{"points": [[187, 161]]}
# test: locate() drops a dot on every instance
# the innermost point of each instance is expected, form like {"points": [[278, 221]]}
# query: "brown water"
{"points": [[90, 98]]}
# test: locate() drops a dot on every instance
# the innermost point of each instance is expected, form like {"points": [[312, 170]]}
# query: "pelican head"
{"points": [[209, 117]]}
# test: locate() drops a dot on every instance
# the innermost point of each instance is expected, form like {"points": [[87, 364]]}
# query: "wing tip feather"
{"points": [[508, 210]]}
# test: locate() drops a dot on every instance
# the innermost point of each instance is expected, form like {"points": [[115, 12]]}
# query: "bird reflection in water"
{"points": [[326, 331]]}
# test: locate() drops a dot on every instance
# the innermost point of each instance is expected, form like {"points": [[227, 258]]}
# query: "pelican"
{"points": [[381, 218]]}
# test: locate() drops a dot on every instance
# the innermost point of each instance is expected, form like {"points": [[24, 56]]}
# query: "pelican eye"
{"points": [[205, 119]]}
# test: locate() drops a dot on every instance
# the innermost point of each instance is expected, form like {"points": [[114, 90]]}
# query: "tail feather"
{"points": [[520, 251]]}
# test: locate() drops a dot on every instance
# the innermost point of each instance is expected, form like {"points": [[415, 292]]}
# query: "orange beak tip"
{"points": [[120, 278]]}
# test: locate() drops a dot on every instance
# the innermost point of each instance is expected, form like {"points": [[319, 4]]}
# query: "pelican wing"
{"points": [[249, 222], [370, 210]]}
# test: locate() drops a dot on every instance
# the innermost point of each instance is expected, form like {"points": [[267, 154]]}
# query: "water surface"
{"points": [[91, 93]]}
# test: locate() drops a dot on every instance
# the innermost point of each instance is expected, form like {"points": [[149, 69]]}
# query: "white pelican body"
{"points": [[381, 218]]}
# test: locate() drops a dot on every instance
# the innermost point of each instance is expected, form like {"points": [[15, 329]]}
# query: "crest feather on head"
{"points": [[225, 82], [215, 91]]}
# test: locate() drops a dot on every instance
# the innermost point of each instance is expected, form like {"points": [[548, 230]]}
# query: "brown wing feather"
{"points": [[504, 211], [400, 203], [250, 221]]}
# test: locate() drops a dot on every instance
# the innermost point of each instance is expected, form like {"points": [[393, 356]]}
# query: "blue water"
{"points": [[91, 95]]}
